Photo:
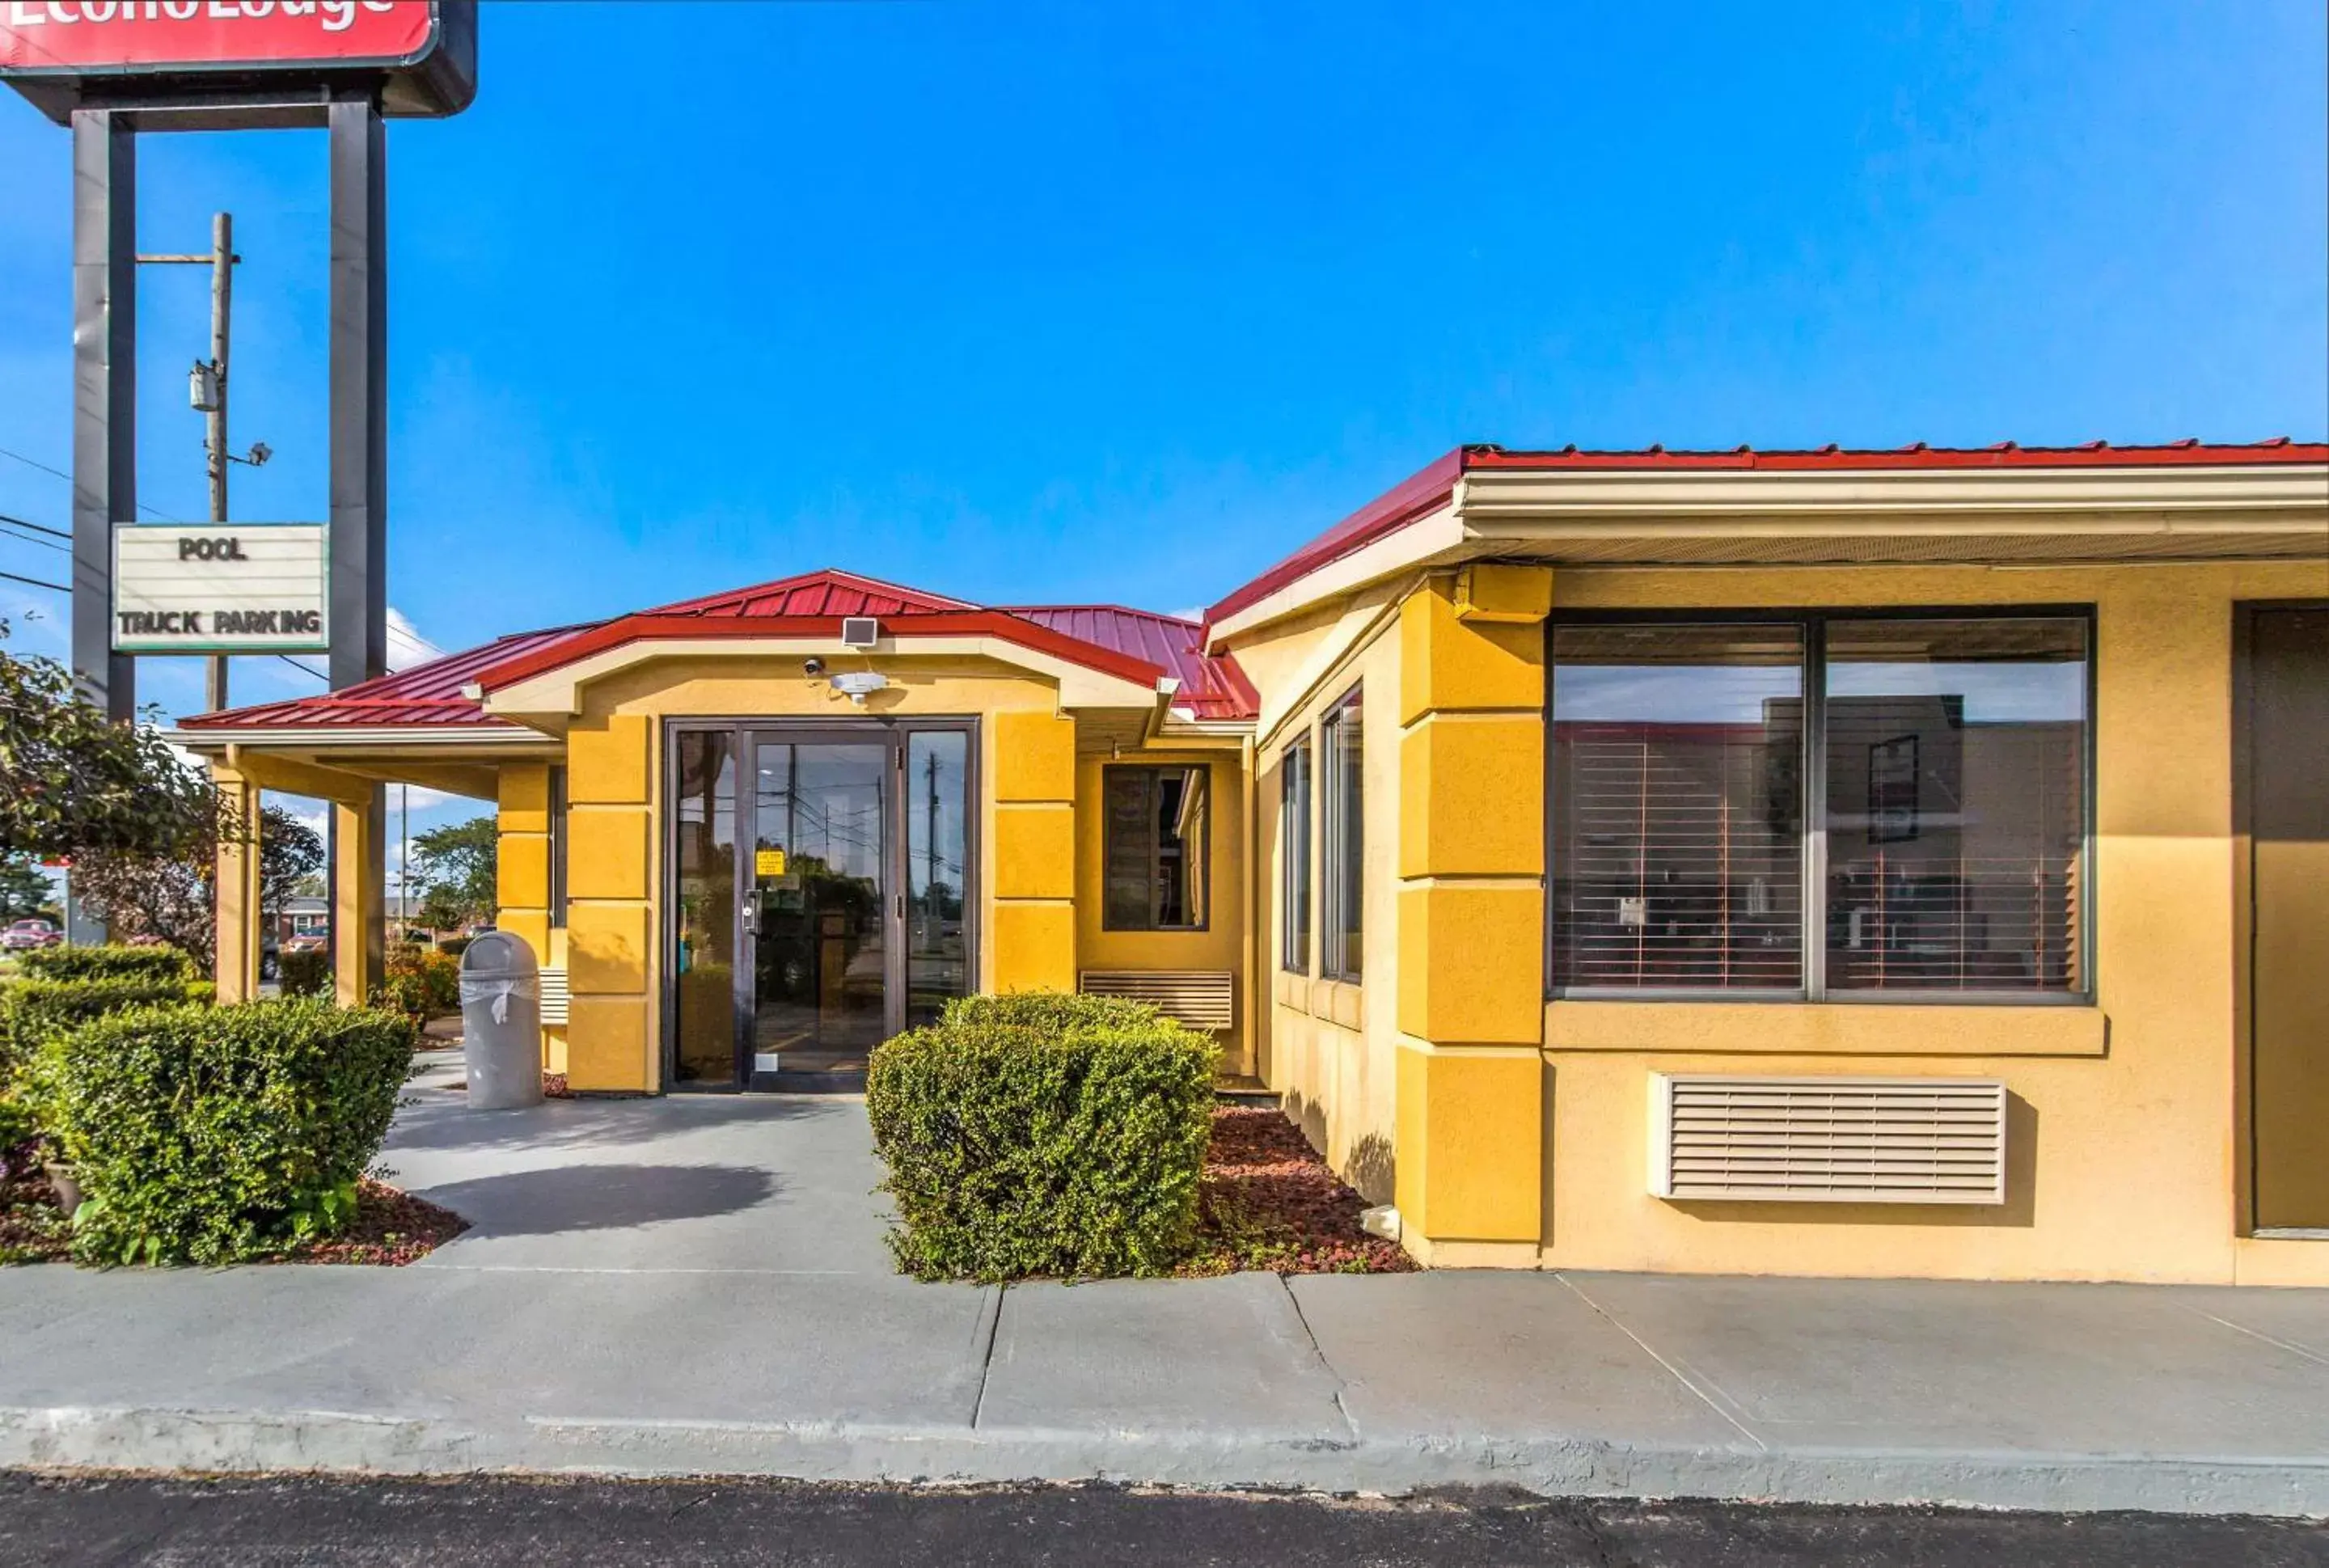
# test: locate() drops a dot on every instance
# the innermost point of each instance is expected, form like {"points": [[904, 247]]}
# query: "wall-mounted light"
{"points": [[859, 684]]}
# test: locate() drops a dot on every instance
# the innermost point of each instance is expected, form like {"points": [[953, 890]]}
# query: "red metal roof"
{"points": [[1430, 488], [427, 693], [816, 593], [1133, 645], [1213, 687]]}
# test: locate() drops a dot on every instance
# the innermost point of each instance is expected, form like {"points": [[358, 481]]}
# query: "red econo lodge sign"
{"points": [[87, 37]]}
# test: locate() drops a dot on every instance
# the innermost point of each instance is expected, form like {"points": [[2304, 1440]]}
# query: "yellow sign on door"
{"points": [[769, 862]]}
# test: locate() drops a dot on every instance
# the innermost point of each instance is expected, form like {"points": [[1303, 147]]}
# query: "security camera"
{"points": [[812, 668]]}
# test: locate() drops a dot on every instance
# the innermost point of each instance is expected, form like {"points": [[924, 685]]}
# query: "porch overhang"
{"points": [[545, 690]]}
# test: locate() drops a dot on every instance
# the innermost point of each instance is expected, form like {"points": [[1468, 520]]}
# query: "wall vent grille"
{"points": [[1201, 998], [1857, 1140], [553, 996]]}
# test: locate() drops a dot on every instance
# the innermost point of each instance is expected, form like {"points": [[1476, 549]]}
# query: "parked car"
{"points": [[31, 933]]}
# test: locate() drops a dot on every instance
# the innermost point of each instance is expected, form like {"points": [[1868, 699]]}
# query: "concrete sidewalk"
{"points": [[683, 1287]]}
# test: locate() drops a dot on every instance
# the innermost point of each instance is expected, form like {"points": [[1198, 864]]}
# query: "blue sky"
{"points": [[1122, 302]]}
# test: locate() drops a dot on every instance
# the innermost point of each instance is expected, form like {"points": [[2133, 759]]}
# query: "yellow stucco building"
{"points": [[1903, 863]]}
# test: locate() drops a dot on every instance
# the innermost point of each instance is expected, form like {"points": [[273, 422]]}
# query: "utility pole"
{"points": [[208, 389], [221, 315]]}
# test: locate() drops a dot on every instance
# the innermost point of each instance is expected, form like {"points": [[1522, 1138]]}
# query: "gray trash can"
{"points": [[501, 1022]]}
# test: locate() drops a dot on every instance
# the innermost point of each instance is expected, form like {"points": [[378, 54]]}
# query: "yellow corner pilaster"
{"points": [[1034, 756], [608, 759], [1034, 947], [1471, 1144], [1034, 851], [239, 918], [1470, 1006], [359, 907], [1448, 664], [606, 853], [1471, 795]]}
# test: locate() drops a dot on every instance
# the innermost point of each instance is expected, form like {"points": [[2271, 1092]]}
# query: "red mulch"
{"points": [[553, 1086], [390, 1227], [31, 1230], [1271, 1202]]}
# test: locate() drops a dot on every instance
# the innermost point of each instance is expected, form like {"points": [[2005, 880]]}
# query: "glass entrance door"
{"points": [[817, 908], [822, 896]]}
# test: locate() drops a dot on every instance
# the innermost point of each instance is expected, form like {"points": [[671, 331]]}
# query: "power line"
{"points": [[60, 473], [21, 538], [59, 588], [36, 527]]}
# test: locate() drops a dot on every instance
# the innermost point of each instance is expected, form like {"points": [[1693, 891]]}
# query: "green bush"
{"points": [[220, 1134], [304, 972], [116, 962], [33, 1010], [422, 984], [201, 993], [1043, 1135]]}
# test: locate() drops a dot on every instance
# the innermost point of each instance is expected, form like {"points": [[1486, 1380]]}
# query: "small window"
{"points": [[1154, 857], [1341, 739], [1294, 858], [557, 848]]}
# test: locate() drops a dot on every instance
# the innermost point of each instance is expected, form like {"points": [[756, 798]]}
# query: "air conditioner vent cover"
{"points": [[1817, 1139]]}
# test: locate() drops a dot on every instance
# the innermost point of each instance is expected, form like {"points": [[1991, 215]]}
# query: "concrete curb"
{"points": [[214, 1441]]}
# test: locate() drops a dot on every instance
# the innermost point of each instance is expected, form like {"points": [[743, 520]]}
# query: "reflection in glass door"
{"points": [[817, 914], [841, 913]]}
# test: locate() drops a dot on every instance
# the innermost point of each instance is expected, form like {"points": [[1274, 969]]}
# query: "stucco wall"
{"points": [[1221, 944], [615, 854], [1331, 1049], [2123, 1155]]}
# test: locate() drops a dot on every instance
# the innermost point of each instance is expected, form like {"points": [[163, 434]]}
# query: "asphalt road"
{"points": [[285, 1521]]}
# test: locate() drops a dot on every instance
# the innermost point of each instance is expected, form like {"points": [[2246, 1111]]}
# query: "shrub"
{"points": [[201, 993], [304, 971], [33, 1010], [1043, 1135], [454, 947], [214, 1135], [422, 984], [146, 961]]}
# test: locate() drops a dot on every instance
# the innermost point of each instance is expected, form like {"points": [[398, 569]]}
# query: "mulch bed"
{"points": [[1269, 1202], [31, 1229], [390, 1228]]}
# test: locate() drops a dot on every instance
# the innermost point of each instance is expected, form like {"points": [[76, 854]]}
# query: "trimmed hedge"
{"points": [[222, 1134], [33, 1010], [1043, 1135], [113, 962], [306, 972]]}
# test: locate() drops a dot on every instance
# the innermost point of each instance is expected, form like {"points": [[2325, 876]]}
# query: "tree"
{"points": [[453, 871], [72, 781], [24, 888], [172, 897]]}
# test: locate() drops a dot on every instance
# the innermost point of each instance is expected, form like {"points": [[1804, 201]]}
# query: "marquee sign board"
{"points": [[221, 588], [64, 54]]}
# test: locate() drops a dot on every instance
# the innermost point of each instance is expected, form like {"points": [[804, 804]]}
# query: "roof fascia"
{"points": [[558, 691], [2274, 494], [1435, 538]]}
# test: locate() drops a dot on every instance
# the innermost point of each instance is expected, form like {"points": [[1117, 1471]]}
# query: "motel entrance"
{"points": [[821, 895]]}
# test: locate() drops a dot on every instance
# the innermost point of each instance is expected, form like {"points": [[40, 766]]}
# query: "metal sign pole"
{"points": [[105, 395], [359, 477]]}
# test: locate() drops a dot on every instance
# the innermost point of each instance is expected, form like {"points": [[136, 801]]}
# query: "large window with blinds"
{"points": [[1153, 848], [1860, 807]]}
